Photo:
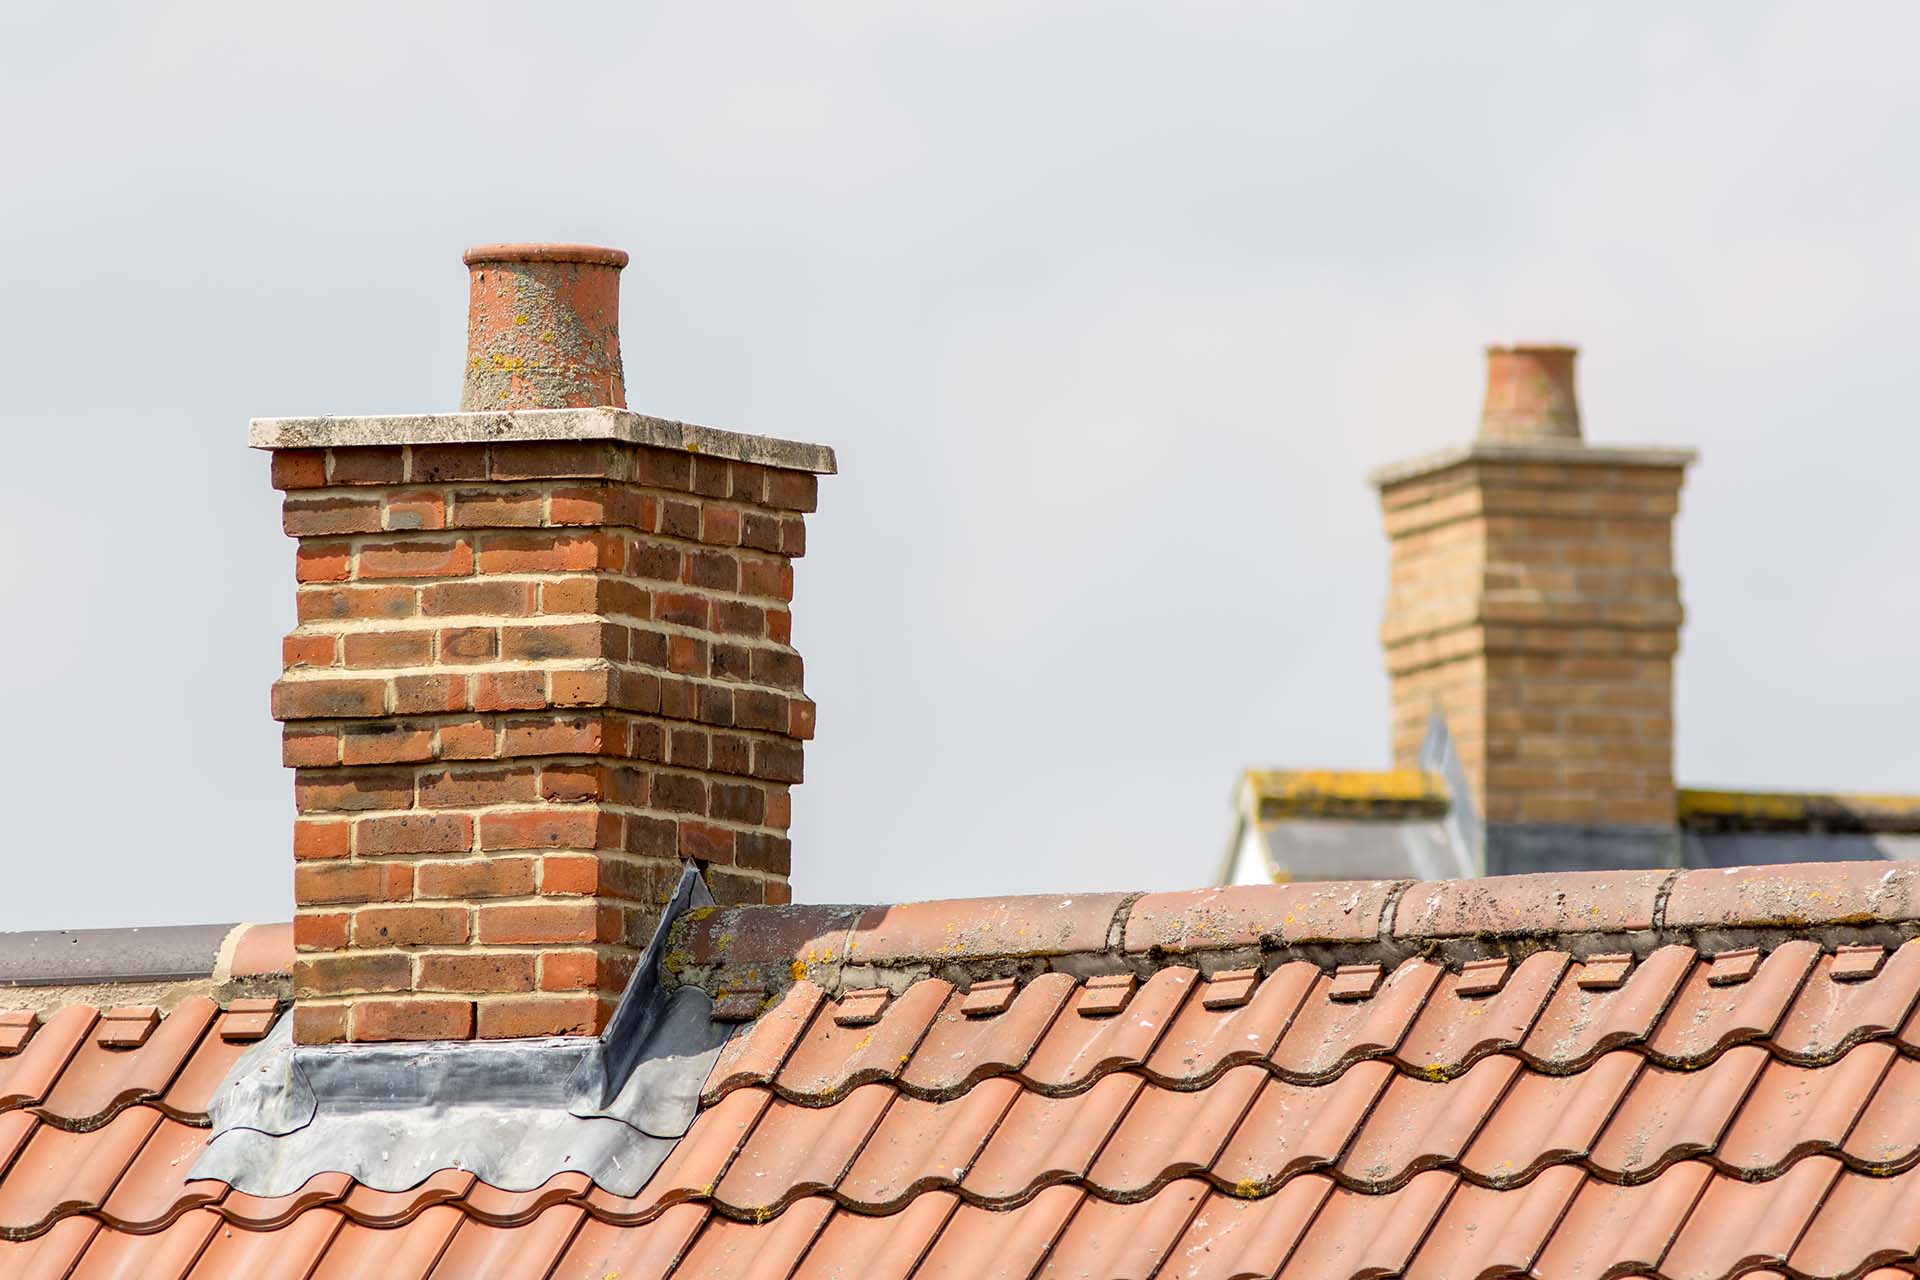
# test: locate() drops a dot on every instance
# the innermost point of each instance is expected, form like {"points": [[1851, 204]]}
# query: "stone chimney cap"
{"points": [[592, 255]]}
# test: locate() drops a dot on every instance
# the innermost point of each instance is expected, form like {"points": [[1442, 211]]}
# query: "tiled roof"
{"points": [[1639, 1097]]}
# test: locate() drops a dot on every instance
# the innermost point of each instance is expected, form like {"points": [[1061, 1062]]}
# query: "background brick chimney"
{"points": [[1533, 603], [543, 656]]}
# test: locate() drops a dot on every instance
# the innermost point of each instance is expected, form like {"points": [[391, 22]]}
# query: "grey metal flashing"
{"points": [[70, 957], [1594, 455], [512, 1112], [1516, 848], [604, 423]]}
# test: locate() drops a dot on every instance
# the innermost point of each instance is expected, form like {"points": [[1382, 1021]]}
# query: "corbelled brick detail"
{"points": [[528, 679], [1533, 602]]}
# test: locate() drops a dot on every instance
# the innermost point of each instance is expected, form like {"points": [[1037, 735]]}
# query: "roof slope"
{"points": [[1589, 1076]]}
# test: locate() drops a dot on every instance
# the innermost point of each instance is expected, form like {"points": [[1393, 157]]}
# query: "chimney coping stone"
{"points": [[598, 423], [1602, 455]]}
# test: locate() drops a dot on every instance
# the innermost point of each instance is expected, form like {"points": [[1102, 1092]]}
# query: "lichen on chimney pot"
{"points": [[543, 327], [1530, 395]]}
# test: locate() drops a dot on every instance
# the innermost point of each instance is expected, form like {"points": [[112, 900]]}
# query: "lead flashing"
{"points": [[1588, 455], [622, 425]]}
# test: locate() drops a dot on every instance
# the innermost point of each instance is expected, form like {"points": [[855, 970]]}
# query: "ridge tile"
{"points": [[1239, 917]]}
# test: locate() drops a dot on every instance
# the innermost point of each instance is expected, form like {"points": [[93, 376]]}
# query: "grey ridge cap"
{"points": [[1599, 455], [538, 424]]}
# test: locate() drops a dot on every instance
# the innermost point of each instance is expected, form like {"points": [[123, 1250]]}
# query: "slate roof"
{"points": [[1699, 1074]]}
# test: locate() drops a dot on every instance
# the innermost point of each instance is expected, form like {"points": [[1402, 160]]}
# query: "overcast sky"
{"points": [[1108, 309]]}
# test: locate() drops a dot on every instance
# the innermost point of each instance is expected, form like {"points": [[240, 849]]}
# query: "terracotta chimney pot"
{"points": [[543, 327], [1530, 394]]}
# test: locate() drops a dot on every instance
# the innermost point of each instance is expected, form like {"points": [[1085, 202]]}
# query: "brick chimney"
{"points": [[543, 658], [1533, 604]]}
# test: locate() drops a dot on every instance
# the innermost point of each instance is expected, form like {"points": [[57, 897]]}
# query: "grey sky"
{"points": [[1107, 308]]}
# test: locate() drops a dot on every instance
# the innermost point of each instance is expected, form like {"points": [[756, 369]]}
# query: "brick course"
{"points": [[528, 680]]}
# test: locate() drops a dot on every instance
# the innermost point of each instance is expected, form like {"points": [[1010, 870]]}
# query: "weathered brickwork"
{"points": [[527, 680], [1533, 602]]}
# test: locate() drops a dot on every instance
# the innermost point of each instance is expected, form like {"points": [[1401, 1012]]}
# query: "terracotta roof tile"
{"points": [[643, 1252], [1081, 1046], [293, 1249], [857, 1246], [1704, 1019], [921, 1145], [981, 1244], [796, 1150], [25, 1077], [959, 1051], [1609, 1227], [1170, 1134], [1739, 1224], [1356, 1234], [1455, 1029], [833, 1056], [1581, 1022], [59, 1171], [1864, 1221], [117, 1255], [1795, 1110], [528, 1249], [406, 1251], [1295, 1127], [52, 1256], [1327, 1034], [726, 1250], [1230, 1238], [756, 1055], [155, 1187], [1205, 1041], [1109, 1241], [1669, 1114], [1830, 1016], [1546, 1120], [1417, 1124], [1483, 1231], [1045, 1139]]}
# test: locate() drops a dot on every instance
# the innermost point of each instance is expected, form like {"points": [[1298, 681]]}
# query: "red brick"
{"points": [[762, 851], [319, 839], [563, 640], [349, 972], [686, 656], [509, 690], [413, 833], [470, 788], [483, 878], [710, 478], [478, 599], [779, 626], [770, 578], [477, 971], [679, 793], [737, 802], [749, 482], [573, 827], [591, 688], [409, 926], [423, 695], [469, 644], [317, 884], [353, 604], [414, 1018], [681, 608], [389, 648], [654, 562], [680, 520], [578, 506], [386, 744], [298, 650], [739, 618], [793, 490], [517, 1017], [336, 790], [415, 510], [514, 925], [322, 562], [322, 932], [569, 970], [549, 552], [369, 465], [319, 1024], [440, 463], [560, 736], [800, 713], [720, 526], [304, 746], [760, 532], [664, 468], [329, 516], [553, 460], [706, 842], [416, 558], [779, 668], [759, 709], [689, 747], [467, 740], [299, 468], [793, 538], [562, 873], [328, 699], [779, 809], [570, 783], [498, 508]]}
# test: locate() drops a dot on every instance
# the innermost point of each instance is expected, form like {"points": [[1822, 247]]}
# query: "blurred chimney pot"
{"points": [[1530, 394], [543, 327]]}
